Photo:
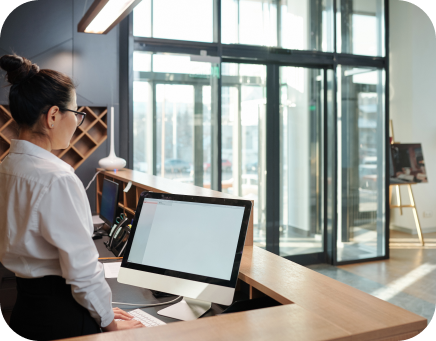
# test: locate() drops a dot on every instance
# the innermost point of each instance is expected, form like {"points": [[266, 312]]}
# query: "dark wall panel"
{"points": [[37, 26], [58, 58], [95, 63], [45, 31]]}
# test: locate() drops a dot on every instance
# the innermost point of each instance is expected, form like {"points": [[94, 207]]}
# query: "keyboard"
{"points": [[145, 318]]}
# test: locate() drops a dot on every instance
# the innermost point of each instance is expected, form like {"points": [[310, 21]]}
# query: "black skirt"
{"points": [[46, 310]]}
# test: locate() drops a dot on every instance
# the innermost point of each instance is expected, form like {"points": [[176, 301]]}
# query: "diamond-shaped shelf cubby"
{"points": [[72, 157], [90, 118], [98, 132], [7, 129], [10, 131], [5, 116], [86, 139], [100, 112], [4, 148], [77, 135], [84, 145], [103, 117]]}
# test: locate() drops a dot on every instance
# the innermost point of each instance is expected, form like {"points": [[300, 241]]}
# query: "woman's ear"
{"points": [[52, 116]]}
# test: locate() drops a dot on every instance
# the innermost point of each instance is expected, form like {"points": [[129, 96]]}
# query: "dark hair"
{"points": [[34, 91]]}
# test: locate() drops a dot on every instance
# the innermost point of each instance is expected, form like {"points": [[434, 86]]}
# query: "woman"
{"points": [[45, 218]]}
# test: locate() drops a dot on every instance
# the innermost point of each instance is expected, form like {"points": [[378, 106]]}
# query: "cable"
{"points": [[147, 305], [92, 180]]}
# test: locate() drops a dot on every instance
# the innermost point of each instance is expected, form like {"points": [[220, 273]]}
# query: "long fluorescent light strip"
{"points": [[109, 13]]}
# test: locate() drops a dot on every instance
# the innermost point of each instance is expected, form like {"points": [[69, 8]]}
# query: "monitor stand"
{"points": [[186, 310]]}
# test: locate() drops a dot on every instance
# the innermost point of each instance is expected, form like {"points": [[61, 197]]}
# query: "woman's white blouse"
{"points": [[46, 226]]}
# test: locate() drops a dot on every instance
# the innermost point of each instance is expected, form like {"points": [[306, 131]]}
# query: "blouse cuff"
{"points": [[107, 319]]}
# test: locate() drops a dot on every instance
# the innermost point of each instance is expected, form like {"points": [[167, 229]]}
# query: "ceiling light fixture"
{"points": [[103, 15]]}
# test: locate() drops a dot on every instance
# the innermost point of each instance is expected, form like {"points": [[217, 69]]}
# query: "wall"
{"points": [[413, 102], [45, 31]]}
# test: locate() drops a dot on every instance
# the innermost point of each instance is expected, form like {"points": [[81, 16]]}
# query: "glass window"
{"points": [[294, 24], [142, 127], [142, 21], [174, 118], [250, 22], [243, 138], [301, 166], [142, 61], [306, 25], [174, 19], [142, 114], [361, 166], [360, 27], [171, 63]]}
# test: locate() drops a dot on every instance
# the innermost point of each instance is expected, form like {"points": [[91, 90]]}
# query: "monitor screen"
{"points": [[187, 245], [109, 202], [189, 237]]}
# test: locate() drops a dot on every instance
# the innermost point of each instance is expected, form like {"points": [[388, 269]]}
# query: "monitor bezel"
{"points": [[110, 223], [184, 275]]}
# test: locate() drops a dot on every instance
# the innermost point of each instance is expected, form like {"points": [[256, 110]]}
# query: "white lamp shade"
{"points": [[112, 161]]}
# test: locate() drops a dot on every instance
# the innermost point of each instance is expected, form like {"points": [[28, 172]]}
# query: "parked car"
{"points": [[251, 167], [226, 166], [368, 176], [175, 166], [250, 186]]}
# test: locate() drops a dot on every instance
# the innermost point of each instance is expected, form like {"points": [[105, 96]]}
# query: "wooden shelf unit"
{"points": [[86, 139], [127, 201]]}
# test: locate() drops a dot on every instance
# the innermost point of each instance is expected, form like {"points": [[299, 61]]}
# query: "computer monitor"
{"points": [[189, 246], [109, 202]]}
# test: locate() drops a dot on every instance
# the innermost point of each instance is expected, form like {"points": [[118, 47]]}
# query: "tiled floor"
{"points": [[407, 279]]}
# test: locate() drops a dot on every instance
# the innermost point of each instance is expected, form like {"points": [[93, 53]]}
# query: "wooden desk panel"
{"points": [[288, 322], [356, 311]]}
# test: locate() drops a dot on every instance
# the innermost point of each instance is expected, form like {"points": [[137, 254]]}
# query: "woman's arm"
{"points": [[65, 221]]}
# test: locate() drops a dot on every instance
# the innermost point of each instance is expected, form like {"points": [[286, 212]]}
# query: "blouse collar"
{"points": [[26, 147]]}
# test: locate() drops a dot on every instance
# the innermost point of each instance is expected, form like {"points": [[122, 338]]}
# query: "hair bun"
{"points": [[17, 68]]}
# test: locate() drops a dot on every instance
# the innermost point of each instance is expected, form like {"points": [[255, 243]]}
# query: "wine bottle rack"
{"points": [[86, 139]]}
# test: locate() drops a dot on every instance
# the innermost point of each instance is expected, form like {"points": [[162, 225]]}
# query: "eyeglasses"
{"points": [[80, 116]]}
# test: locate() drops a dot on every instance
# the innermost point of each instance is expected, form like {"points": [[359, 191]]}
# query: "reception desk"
{"points": [[314, 307]]}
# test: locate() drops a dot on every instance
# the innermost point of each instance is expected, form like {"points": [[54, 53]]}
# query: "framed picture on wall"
{"points": [[407, 163]]}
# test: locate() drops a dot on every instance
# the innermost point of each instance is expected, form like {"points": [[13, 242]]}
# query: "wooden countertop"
{"points": [[288, 322], [360, 314], [315, 307], [157, 183]]}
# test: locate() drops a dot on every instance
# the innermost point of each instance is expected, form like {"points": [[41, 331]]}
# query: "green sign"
{"points": [[215, 71]]}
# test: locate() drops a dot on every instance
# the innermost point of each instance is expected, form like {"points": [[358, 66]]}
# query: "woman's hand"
{"points": [[132, 324], [121, 314], [122, 325], [126, 323]]}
